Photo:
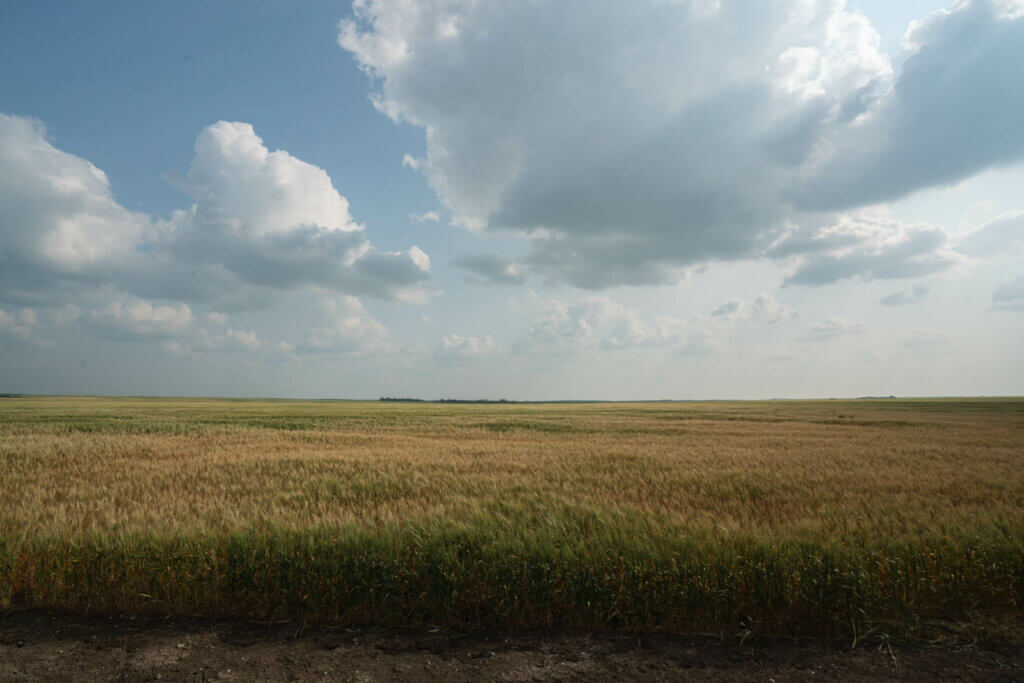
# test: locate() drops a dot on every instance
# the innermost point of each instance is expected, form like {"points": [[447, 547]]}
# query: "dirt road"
{"points": [[38, 646]]}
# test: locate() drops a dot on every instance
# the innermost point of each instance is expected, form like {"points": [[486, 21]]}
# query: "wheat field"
{"points": [[786, 517]]}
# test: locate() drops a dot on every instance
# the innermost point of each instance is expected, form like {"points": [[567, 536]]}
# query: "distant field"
{"points": [[818, 517]]}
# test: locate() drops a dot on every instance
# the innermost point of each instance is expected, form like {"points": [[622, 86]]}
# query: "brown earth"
{"points": [[39, 646]]}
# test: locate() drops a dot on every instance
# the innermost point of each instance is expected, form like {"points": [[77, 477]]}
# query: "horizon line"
{"points": [[501, 401]]}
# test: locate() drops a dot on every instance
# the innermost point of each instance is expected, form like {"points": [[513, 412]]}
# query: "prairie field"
{"points": [[778, 518]]}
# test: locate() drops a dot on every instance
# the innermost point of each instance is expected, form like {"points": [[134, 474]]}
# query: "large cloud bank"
{"points": [[632, 140], [261, 221]]}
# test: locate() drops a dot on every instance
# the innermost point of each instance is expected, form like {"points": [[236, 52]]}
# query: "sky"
{"points": [[560, 199]]}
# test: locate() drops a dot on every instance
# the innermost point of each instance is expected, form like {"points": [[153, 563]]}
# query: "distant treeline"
{"points": [[444, 400]]}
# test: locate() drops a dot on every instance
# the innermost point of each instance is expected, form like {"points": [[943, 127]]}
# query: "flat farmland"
{"points": [[825, 518]]}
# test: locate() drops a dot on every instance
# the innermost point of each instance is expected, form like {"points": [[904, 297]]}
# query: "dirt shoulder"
{"points": [[39, 646]]}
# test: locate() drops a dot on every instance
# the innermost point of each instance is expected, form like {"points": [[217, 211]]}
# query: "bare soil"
{"points": [[40, 646]]}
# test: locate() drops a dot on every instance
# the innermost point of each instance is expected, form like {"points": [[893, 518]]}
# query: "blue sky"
{"points": [[679, 201], [129, 85]]}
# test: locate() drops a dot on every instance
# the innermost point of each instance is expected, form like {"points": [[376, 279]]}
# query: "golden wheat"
{"points": [[651, 515]]}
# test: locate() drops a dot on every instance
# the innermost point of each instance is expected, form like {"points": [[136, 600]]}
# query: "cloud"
{"points": [[868, 248], [346, 329], [1009, 297], [832, 328], [20, 324], [261, 222], [598, 323], [594, 322], [457, 350], [925, 339], [1000, 236], [629, 330], [420, 258], [492, 268], [558, 330], [426, 217], [696, 345], [132, 317], [727, 307], [274, 220], [65, 315], [241, 185], [239, 342], [176, 329], [764, 309], [649, 136], [58, 217], [954, 110], [979, 210], [20, 327], [904, 297]]}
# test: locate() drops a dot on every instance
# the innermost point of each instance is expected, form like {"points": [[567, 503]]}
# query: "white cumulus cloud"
{"points": [[58, 216], [647, 136], [261, 221], [274, 220]]}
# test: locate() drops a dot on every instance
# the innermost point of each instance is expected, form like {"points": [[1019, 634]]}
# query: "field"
{"points": [[869, 518]]}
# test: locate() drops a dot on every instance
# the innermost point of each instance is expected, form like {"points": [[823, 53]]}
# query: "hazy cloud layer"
{"points": [[133, 317], [696, 345], [999, 237], [923, 340], [492, 268], [239, 342], [1010, 297], [456, 349], [764, 309], [907, 296], [566, 328], [346, 329], [640, 138], [172, 326], [833, 328], [21, 327]]}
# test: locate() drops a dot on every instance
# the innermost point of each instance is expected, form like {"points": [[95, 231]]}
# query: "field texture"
{"points": [[824, 518]]}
